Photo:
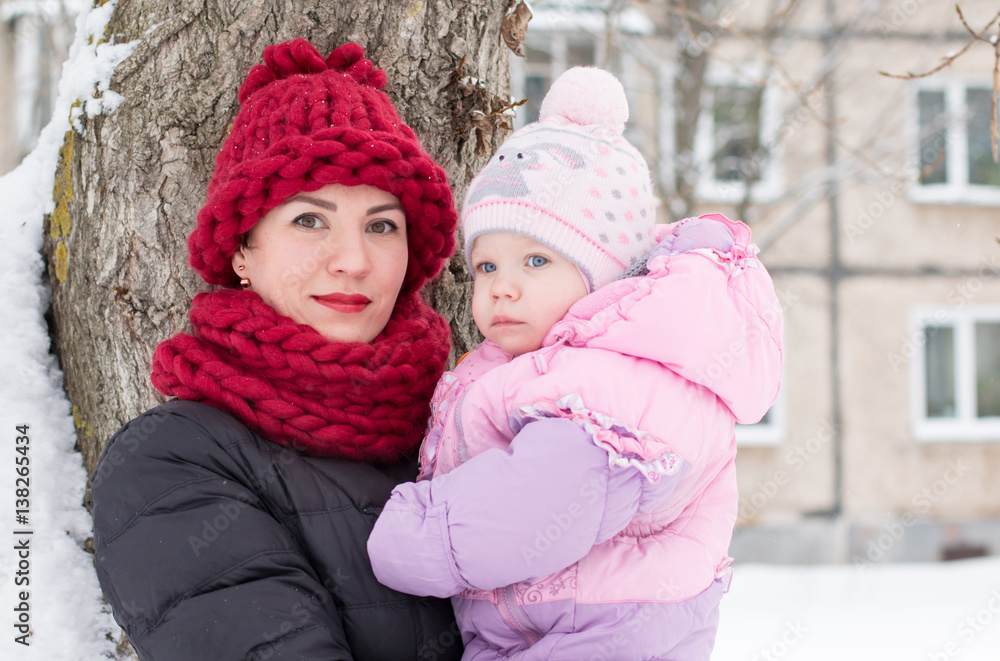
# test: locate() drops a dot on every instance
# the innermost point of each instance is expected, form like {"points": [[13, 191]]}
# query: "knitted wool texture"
{"points": [[306, 122], [351, 400], [571, 181]]}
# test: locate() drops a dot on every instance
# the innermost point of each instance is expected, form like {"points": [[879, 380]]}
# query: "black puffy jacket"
{"points": [[215, 543]]}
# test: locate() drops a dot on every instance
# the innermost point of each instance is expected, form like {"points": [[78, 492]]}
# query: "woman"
{"points": [[231, 522]]}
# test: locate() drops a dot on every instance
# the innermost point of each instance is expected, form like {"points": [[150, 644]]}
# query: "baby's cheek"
{"points": [[480, 307]]}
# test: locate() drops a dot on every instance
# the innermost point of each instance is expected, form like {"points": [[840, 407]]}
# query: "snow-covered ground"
{"points": [[878, 613], [902, 612]]}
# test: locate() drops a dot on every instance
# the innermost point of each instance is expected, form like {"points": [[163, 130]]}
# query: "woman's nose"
{"points": [[349, 255]]}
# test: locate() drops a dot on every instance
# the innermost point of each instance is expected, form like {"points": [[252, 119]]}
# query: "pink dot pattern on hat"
{"points": [[571, 181]]}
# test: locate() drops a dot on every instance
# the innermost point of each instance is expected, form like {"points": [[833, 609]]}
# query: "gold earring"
{"points": [[244, 282]]}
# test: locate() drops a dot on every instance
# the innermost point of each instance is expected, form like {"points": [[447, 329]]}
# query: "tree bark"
{"points": [[129, 184]]}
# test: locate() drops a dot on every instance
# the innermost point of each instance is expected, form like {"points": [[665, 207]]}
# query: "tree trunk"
{"points": [[130, 184]]}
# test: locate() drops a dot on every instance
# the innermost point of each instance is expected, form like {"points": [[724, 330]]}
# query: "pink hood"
{"points": [[727, 339], [656, 369]]}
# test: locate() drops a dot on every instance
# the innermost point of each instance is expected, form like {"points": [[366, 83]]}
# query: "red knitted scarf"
{"points": [[293, 386]]}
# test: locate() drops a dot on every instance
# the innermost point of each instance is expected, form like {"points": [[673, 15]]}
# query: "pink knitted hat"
{"points": [[571, 181]]}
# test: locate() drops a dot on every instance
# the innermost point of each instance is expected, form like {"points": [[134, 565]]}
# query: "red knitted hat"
{"points": [[304, 123]]}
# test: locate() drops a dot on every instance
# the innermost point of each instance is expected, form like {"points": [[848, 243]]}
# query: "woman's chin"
{"points": [[352, 329]]}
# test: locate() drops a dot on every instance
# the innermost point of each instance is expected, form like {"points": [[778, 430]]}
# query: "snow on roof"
{"points": [[585, 16]]}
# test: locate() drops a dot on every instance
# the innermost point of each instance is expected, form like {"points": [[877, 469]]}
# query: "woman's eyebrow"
{"points": [[317, 201], [386, 207]]}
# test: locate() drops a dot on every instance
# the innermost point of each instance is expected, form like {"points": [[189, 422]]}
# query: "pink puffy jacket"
{"points": [[655, 370]]}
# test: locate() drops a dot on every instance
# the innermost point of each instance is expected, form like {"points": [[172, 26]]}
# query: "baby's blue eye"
{"points": [[488, 267], [537, 260]]}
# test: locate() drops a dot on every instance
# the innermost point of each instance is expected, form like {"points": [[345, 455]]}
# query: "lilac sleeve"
{"points": [[507, 516]]}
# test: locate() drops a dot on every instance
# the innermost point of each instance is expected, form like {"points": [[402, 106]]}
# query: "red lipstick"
{"points": [[348, 303]]}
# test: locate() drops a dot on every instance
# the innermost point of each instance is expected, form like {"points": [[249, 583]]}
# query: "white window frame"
{"points": [[966, 425], [766, 434], [770, 186], [957, 189], [559, 22], [588, 16]]}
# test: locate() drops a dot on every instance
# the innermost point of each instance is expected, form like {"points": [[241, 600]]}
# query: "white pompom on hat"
{"points": [[571, 181]]}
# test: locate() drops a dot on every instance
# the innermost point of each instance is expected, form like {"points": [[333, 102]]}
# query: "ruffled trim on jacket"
{"points": [[626, 446]]}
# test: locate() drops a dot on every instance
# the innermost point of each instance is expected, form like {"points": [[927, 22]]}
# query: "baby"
{"points": [[583, 487]]}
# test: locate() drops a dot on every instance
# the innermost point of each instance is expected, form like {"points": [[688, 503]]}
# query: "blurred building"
{"points": [[876, 203], [34, 41]]}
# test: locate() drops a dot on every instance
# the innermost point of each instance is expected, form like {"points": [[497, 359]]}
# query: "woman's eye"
{"points": [[308, 221], [537, 260], [382, 227]]}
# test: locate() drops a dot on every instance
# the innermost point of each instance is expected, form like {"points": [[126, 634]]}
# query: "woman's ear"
{"points": [[239, 261]]}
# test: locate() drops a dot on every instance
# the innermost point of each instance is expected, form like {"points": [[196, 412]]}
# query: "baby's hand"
{"points": [[692, 234]]}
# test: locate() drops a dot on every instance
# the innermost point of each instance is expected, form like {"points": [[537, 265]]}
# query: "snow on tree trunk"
{"points": [[129, 184]]}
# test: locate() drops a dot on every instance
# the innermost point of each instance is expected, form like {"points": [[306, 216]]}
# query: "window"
{"points": [[736, 119], [954, 155], [571, 33], [956, 374], [546, 56], [769, 431], [736, 137]]}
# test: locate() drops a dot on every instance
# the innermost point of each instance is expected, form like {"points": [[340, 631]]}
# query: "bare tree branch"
{"points": [[954, 56]]}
